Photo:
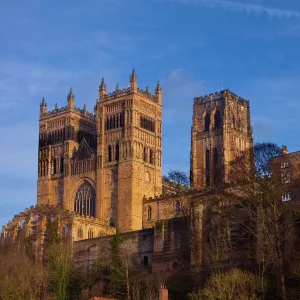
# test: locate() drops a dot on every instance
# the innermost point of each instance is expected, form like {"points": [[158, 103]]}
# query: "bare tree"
{"points": [[263, 155], [271, 220], [21, 277], [176, 182], [232, 285]]}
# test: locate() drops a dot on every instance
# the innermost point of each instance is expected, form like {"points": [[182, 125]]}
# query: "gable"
{"points": [[84, 151]]}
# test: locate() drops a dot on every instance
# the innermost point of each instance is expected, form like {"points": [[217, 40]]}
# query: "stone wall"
{"points": [[136, 248]]}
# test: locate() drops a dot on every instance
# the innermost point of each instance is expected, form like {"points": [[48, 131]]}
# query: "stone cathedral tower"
{"points": [[103, 164], [221, 133]]}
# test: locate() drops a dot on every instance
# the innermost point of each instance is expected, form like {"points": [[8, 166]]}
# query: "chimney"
{"points": [[284, 150], [163, 293]]}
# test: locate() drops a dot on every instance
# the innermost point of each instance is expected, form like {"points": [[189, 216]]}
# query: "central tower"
{"points": [[129, 140], [221, 135]]}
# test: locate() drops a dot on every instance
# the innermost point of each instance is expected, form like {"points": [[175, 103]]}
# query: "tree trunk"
{"points": [[281, 285]]}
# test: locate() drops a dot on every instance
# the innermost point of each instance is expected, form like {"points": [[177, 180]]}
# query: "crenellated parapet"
{"points": [[63, 110], [127, 91], [44, 114], [219, 95], [132, 89]]}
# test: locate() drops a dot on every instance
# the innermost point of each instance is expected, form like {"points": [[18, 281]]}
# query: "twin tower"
{"points": [[103, 164]]}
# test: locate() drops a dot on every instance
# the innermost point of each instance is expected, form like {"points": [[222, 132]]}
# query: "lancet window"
{"points": [[217, 119], [149, 213], [207, 122], [147, 123], [114, 121]]}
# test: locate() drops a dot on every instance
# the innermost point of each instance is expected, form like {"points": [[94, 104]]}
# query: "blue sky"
{"points": [[189, 45]]}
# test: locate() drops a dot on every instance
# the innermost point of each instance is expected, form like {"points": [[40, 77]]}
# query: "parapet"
{"points": [[60, 111], [219, 95], [127, 91]]}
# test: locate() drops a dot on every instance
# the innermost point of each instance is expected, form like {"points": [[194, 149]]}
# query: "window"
{"points": [[285, 164], [207, 122], [286, 196], [117, 152], [145, 261], [217, 119], [109, 154], [149, 213], [84, 202], [65, 230], [90, 234], [151, 157], [285, 177], [147, 123], [112, 222], [80, 232], [145, 154]]}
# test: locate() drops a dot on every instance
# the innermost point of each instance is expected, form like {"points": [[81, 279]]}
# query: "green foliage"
{"points": [[60, 266], [116, 270]]}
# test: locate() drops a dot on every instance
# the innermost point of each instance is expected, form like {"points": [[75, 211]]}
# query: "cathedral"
{"points": [[100, 173], [103, 164]]}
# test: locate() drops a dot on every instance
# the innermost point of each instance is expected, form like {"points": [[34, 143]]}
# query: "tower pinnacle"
{"points": [[158, 92], [102, 89], [133, 81], [70, 99], [43, 107]]}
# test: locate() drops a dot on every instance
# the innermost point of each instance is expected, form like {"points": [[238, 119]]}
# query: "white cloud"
{"points": [[249, 8]]}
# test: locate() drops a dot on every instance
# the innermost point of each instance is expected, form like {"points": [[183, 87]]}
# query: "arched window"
{"points": [[110, 123], [84, 202], [54, 166], [145, 261], [117, 152], [109, 154], [117, 121], [177, 208], [80, 232], [90, 234], [114, 122], [22, 223], [207, 165], [207, 122], [112, 222], [106, 124], [65, 230], [217, 119], [61, 165], [122, 119], [149, 213], [151, 157], [145, 154]]}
